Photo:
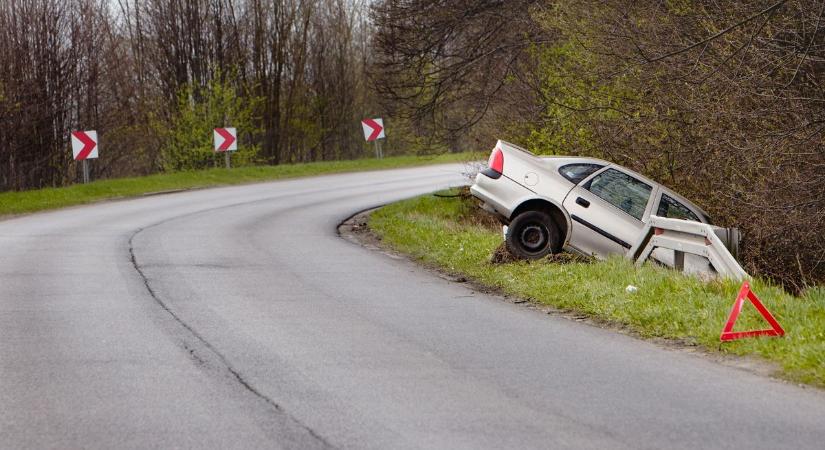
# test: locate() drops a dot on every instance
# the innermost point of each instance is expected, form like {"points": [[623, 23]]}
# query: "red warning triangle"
{"points": [[745, 292]]}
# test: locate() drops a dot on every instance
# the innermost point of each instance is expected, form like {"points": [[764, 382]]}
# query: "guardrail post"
{"points": [[678, 260]]}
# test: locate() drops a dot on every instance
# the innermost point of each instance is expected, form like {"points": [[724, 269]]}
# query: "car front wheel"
{"points": [[532, 235]]}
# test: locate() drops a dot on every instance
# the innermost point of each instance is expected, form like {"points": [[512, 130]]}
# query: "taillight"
{"points": [[495, 166], [497, 161]]}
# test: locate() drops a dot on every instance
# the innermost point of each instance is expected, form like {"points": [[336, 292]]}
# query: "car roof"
{"points": [[559, 161]]}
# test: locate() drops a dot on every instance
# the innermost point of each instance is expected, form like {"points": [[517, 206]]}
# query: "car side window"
{"points": [[672, 209], [622, 191], [578, 171]]}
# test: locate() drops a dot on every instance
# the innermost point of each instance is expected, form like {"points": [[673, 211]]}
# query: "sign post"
{"points": [[85, 164], [373, 131], [84, 148], [226, 141], [379, 152]]}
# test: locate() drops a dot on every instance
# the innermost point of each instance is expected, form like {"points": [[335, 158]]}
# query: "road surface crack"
{"points": [[203, 360]]}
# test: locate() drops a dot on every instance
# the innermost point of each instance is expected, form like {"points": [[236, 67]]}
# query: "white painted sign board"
{"points": [[226, 139], [373, 129], [84, 145]]}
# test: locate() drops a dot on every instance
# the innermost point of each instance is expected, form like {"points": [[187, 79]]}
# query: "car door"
{"points": [[606, 211]]}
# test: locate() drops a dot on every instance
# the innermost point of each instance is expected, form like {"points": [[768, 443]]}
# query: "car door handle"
{"points": [[583, 202]]}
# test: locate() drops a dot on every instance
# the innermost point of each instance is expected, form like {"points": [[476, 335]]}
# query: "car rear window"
{"points": [[578, 171], [672, 209]]}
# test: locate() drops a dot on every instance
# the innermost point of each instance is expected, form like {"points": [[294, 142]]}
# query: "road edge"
{"points": [[356, 230]]}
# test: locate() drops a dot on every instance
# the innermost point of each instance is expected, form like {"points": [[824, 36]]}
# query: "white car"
{"points": [[585, 205]]}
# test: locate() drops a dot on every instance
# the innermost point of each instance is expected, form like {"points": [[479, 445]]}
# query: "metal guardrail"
{"points": [[685, 236]]}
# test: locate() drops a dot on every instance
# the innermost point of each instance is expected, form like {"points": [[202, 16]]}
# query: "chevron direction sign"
{"points": [[84, 145], [226, 139], [373, 129]]}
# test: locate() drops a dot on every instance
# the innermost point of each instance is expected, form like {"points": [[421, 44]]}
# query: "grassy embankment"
{"points": [[446, 232], [52, 198]]}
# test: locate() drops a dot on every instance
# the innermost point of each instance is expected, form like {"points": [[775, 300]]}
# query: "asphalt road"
{"points": [[238, 318]]}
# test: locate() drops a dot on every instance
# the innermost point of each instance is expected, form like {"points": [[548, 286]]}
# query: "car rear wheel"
{"points": [[532, 235]]}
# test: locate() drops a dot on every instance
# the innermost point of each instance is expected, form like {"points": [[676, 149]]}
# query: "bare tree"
{"points": [[448, 63]]}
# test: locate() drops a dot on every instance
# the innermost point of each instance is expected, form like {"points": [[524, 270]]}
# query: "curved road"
{"points": [[237, 318]]}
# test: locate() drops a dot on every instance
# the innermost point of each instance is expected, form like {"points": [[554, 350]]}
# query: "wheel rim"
{"points": [[533, 237]]}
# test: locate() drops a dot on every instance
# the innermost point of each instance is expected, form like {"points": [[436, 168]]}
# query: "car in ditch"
{"points": [[585, 205]]}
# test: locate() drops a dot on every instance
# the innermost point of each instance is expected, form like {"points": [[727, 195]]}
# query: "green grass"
{"points": [[445, 232], [51, 198]]}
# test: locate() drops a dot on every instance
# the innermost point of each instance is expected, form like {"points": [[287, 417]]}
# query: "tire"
{"points": [[532, 235]]}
